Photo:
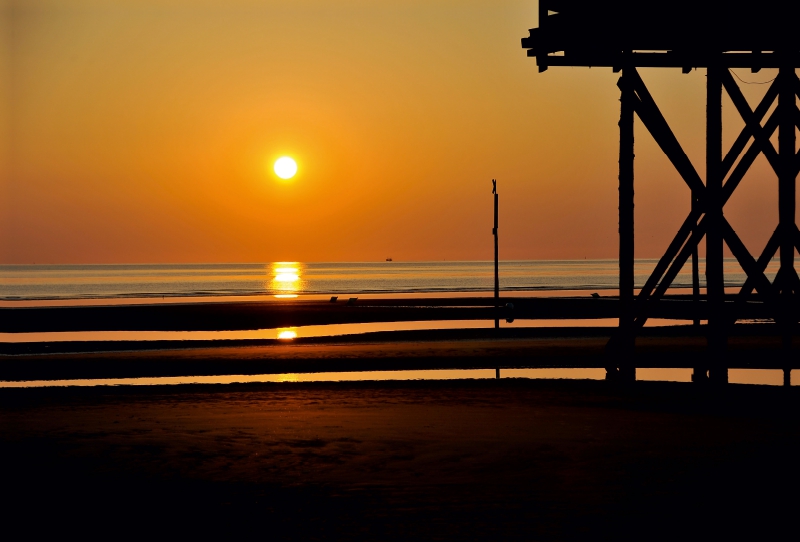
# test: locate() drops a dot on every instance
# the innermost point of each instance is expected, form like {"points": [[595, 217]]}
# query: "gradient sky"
{"points": [[145, 130]]}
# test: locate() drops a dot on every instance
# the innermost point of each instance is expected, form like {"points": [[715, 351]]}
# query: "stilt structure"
{"points": [[626, 35]]}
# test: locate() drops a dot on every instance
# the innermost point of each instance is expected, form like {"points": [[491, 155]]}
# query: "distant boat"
{"points": [[388, 259]]}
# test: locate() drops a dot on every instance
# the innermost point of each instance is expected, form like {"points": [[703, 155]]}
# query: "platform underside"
{"points": [[677, 34]]}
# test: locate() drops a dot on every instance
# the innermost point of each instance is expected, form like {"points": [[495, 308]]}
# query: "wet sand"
{"points": [[228, 316], [461, 460], [755, 346]]}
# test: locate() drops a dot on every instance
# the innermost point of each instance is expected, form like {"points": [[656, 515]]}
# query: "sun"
{"points": [[285, 167]]}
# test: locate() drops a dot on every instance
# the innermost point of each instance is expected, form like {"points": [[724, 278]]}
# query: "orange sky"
{"points": [[144, 131]]}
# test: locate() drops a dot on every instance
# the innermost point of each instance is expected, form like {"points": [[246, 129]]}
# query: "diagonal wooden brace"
{"points": [[767, 254], [761, 264], [747, 160], [674, 247], [750, 266], [672, 272], [658, 127], [752, 121]]}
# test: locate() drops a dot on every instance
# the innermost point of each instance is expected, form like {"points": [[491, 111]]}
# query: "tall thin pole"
{"points": [[496, 264]]}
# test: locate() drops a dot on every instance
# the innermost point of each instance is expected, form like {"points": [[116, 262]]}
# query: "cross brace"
{"points": [[754, 139]]}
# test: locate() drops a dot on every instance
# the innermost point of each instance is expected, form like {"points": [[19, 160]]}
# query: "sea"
{"points": [[20, 283], [27, 285]]}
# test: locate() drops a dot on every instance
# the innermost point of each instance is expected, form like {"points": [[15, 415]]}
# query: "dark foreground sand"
{"points": [[527, 460]]}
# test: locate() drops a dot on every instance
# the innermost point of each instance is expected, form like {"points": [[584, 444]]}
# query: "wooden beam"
{"points": [[787, 204], [674, 268], [625, 369], [752, 121], [658, 127], [657, 60], [797, 162], [684, 232], [787, 173], [797, 87], [796, 238], [748, 263], [751, 118], [747, 160], [715, 272], [763, 261], [695, 271]]}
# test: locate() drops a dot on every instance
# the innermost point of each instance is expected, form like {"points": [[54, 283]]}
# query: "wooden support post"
{"points": [[695, 272], [496, 260], [715, 277], [787, 144], [699, 373], [625, 369]]}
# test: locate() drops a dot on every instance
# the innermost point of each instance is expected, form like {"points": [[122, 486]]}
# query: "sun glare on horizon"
{"points": [[285, 167]]}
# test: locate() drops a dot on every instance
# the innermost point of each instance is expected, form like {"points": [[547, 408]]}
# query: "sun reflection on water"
{"points": [[287, 334], [286, 279]]}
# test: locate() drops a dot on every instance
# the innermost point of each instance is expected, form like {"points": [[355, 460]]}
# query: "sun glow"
{"points": [[286, 279], [287, 334], [285, 167]]}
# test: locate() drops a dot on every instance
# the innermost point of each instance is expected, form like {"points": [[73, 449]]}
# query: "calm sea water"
{"points": [[66, 282], [43, 282]]}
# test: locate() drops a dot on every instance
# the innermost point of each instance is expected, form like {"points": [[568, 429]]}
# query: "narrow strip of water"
{"points": [[736, 376], [288, 333]]}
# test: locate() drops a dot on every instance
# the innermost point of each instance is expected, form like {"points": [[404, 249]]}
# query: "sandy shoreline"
{"points": [[394, 461], [222, 316]]}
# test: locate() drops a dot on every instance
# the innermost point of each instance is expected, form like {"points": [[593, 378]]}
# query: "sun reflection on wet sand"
{"points": [[327, 330]]}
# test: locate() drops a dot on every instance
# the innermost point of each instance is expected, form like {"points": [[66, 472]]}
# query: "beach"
{"points": [[276, 313], [754, 347], [511, 459]]}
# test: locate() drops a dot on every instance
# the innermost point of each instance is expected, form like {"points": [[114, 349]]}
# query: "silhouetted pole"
{"points": [[699, 371], [496, 264], [625, 369], [786, 208], [715, 277], [695, 273], [496, 269]]}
